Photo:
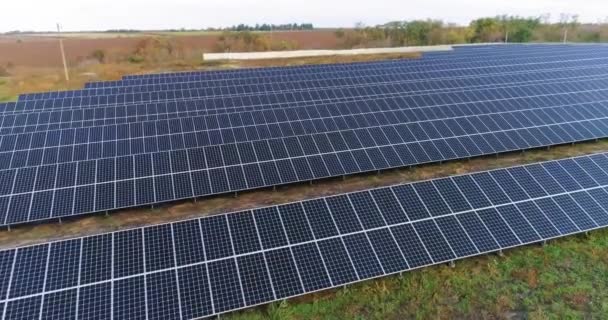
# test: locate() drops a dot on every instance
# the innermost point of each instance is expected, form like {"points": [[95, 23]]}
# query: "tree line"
{"points": [[491, 29], [271, 27]]}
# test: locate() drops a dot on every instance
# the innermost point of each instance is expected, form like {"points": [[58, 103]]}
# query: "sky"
{"points": [[78, 15]]}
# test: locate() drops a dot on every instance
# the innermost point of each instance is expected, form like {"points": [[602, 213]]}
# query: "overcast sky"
{"points": [[76, 15]]}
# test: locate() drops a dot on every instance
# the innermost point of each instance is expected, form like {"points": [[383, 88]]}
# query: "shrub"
{"points": [[99, 55], [136, 58]]}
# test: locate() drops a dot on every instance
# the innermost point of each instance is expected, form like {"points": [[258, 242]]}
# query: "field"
{"points": [[566, 278], [43, 51]]}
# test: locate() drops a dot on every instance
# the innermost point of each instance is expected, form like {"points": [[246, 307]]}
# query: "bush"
{"points": [[99, 55], [135, 58], [156, 50], [246, 41]]}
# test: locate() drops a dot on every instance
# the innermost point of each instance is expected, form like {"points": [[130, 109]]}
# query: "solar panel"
{"points": [[189, 92], [43, 121], [95, 116], [433, 56], [157, 78], [383, 74], [218, 264], [175, 88], [159, 176], [243, 143]]}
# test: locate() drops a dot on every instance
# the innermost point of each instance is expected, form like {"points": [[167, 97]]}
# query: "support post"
{"points": [[65, 64]]}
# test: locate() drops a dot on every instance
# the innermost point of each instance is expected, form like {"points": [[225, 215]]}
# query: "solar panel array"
{"points": [[208, 266], [253, 84], [60, 156]]}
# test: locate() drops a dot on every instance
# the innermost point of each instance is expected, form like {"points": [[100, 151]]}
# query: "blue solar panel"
{"points": [[212, 265]]}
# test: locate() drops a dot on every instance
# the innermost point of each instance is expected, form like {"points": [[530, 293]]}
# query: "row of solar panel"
{"points": [[415, 71], [239, 73], [430, 79], [103, 142], [202, 118], [357, 75], [114, 183], [252, 86], [543, 90], [320, 95], [213, 265], [316, 68]]}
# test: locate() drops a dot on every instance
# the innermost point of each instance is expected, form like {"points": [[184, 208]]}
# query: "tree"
{"points": [[418, 32], [496, 29], [486, 30], [568, 23], [519, 29]]}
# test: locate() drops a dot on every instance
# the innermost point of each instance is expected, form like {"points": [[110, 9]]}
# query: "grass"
{"points": [[566, 279], [5, 94]]}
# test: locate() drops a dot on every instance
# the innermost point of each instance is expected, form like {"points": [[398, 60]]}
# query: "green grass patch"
{"points": [[4, 92], [565, 279]]}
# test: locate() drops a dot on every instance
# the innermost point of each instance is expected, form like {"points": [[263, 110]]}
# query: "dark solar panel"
{"points": [[212, 265]]}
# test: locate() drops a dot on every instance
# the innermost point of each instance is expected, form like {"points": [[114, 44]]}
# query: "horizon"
{"points": [[155, 15], [229, 28]]}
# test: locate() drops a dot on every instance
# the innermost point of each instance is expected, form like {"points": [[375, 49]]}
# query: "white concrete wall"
{"points": [[313, 53]]}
